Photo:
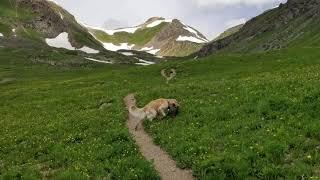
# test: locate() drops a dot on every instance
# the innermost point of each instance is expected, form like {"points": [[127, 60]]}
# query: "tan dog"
{"points": [[159, 108]]}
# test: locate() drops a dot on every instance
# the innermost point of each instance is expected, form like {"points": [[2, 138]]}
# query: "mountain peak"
{"points": [[152, 19], [274, 29], [46, 20], [158, 35]]}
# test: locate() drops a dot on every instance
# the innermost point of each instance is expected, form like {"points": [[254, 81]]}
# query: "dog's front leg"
{"points": [[163, 112]]}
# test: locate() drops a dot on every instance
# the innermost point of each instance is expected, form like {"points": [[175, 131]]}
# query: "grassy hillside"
{"points": [[36, 20], [11, 14], [5, 29], [139, 38], [251, 116], [78, 32], [9, 9], [229, 32], [55, 124], [277, 28]]}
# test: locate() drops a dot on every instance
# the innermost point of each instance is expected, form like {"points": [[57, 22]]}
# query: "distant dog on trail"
{"points": [[171, 75], [159, 108]]}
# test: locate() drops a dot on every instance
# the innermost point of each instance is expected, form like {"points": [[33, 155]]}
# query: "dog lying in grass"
{"points": [[159, 108]]}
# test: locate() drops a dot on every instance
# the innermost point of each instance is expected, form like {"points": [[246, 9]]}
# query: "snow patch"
{"points": [[112, 32], [62, 41], [157, 22], [122, 46], [61, 15], [128, 30], [14, 32], [127, 53], [89, 50], [193, 31], [191, 39], [150, 50], [1, 35], [111, 46], [144, 62], [153, 51], [146, 48], [54, 2], [95, 60]]}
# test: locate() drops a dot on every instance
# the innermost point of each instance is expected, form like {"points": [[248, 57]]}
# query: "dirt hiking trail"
{"points": [[162, 162]]}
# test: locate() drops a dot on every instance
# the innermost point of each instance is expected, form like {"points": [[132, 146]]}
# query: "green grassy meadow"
{"points": [[243, 116]]}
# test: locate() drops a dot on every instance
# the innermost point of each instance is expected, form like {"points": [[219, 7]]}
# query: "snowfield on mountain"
{"points": [[191, 39], [121, 46], [62, 41]]}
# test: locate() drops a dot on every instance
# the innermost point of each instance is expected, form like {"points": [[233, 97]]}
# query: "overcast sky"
{"points": [[210, 17]]}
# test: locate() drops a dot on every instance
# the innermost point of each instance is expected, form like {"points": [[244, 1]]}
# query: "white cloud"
{"points": [[207, 16], [115, 24], [235, 2], [235, 22]]}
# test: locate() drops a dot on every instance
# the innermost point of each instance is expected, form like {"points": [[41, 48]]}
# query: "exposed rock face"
{"points": [[285, 24], [43, 27], [165, 37], [166, 40], [47, 20]]}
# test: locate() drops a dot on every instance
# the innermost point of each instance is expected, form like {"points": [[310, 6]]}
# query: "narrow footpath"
{"points": [[162, 162]]}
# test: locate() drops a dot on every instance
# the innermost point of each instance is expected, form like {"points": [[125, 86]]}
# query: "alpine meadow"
{"points": [[248, 101]]}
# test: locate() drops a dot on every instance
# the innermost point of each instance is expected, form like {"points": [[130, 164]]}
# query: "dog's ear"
{"points": [[176, 103], [173, 103]]}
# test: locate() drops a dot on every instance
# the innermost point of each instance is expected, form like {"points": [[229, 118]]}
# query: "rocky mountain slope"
{"points": [[42, 19], [43, 24], [159, 36], [229, 32], [295, 23]]}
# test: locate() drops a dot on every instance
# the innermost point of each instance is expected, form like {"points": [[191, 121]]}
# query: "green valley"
{"points": [[251, 115], [249, 101]]}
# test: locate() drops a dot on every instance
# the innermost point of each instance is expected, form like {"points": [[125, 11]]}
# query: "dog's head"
{"points": [[173, 107]]}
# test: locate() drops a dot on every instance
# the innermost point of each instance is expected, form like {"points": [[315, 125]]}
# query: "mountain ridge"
{"points": [[45, 25], [228, 32], [159, 36], [292, 22]]}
